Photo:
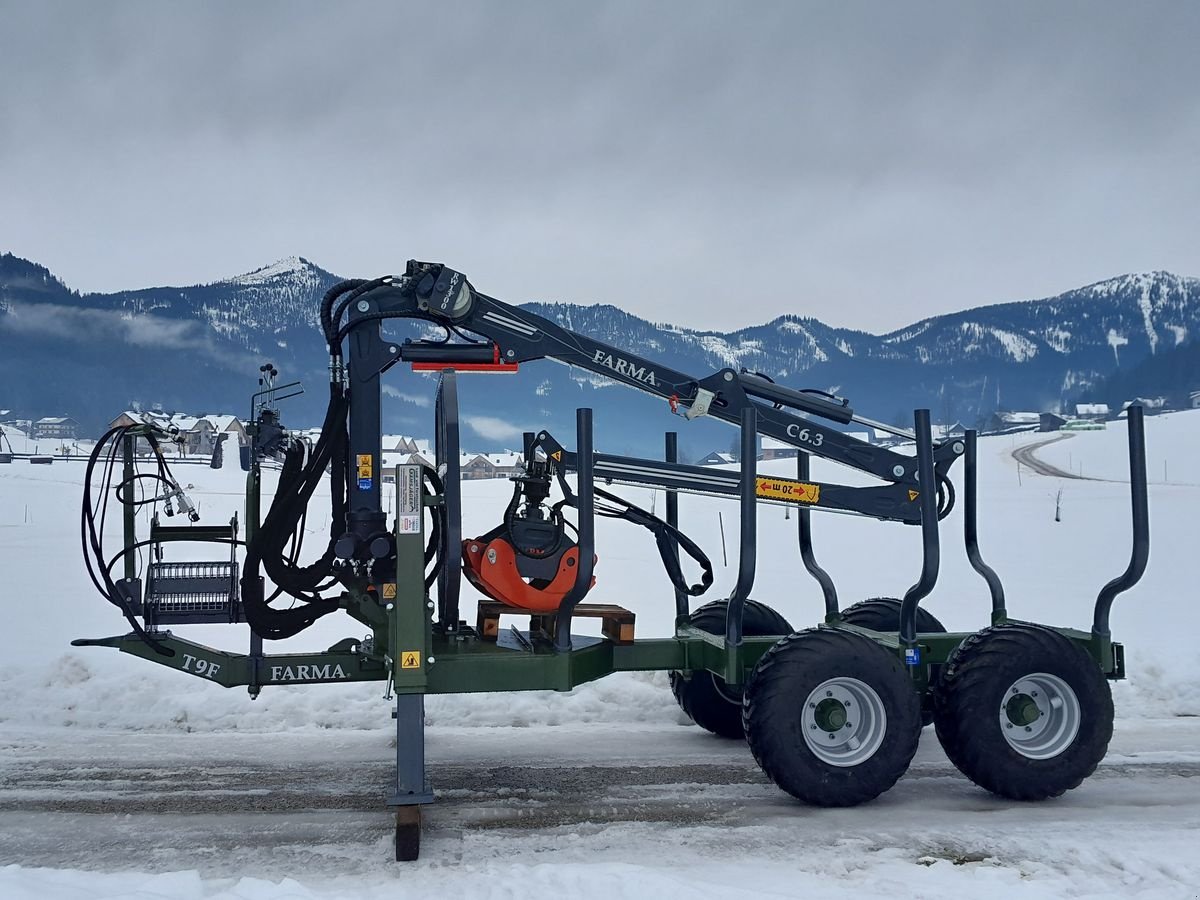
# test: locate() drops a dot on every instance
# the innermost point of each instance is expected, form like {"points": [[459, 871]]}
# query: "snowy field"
{"points": [[119, 778]]}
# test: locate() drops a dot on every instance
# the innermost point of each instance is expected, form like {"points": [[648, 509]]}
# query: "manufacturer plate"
{"points": [[408, 499]]}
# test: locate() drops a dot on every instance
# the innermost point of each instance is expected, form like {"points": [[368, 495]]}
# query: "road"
{"points": [[276, 805], [1026, 456]]}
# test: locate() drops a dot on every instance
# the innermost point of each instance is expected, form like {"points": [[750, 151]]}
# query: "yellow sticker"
{"points": [[913, 495], [410, 659], [389, 591], [556, 455], [364, 465], [795, 491]]}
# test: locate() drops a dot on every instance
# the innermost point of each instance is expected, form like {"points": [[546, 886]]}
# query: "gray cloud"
{"points": [[708, 164], [96, 326]]}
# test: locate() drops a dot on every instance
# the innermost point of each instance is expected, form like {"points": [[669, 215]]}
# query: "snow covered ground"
{"points": [[119, 778]]}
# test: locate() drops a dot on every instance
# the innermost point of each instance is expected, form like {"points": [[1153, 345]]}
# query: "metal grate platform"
{"points": [[181, 593]]}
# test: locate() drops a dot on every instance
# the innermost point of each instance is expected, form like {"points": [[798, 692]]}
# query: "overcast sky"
{"points": [[707, 164]]}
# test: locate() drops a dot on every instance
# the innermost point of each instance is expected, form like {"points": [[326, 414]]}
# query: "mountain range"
{"points": [[198, 349]]}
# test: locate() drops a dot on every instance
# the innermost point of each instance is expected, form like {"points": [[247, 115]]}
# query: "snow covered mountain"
{"points": [[90, 355]]}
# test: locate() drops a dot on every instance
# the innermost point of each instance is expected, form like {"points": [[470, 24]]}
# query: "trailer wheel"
{"points": [[883, 614], [706, 698], [1023, 711], [408, 833], [831, 717]]}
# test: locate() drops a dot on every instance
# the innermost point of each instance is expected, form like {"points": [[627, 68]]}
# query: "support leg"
{"points": [[411, 788]]}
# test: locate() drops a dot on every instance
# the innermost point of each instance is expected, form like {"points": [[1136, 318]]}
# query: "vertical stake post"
{"points": [[747, 546], [970, 525], [672, 456], [807, 556], [930, 548], [1140, 554], [586, 509]]}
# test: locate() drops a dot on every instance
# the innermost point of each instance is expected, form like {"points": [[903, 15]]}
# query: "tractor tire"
{"points": [[831, 717], [705, 697], [1023, 711], [883, 614]]}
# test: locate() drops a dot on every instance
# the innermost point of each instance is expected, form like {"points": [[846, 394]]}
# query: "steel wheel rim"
{"points": [[1040, 715], [844, 722]]}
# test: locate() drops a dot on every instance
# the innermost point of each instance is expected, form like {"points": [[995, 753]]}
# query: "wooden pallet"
{"points": [[616, 622]]}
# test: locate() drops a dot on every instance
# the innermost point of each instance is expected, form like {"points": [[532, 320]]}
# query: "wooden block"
{"points": [[617, 623]]}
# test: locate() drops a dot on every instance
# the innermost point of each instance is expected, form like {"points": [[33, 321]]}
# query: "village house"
{"points": [[1096, 412], [1004, 421], [394, 458], [55, 427], [1152, 406], [194, 435], [490, 465], [775, 449], [1050, 421], [471, 466]]}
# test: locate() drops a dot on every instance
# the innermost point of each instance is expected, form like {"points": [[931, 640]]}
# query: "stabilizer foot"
{"points": [[408, 833]]}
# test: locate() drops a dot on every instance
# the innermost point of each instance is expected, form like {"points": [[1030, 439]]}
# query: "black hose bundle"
{"points": [[667, 537], [92, 538], [297, 482]]}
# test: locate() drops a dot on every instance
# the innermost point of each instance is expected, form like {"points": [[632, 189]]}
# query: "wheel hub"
{"points": [[1039, 715], [844, 722]]}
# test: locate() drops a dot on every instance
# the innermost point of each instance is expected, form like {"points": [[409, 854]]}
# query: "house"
{"points": [[400, 443], [1050, 421], [226, 424], [1194, 397], [194, 435], [1095, 411], [716, 458], [490, 465], [774, 449], [55, 427], [1013, 421], [958, 429], [392, 459], [1151, 406]]}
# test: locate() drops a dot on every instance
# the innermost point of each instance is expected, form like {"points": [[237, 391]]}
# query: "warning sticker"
{"points": [[410, 659], [913, 495], [779, 489], [556, 455], [364, 465], [389, 591]]}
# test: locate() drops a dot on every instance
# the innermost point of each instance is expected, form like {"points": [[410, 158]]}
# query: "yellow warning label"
{"points": [[556, 455], [364, 465], [410, 659], [779, 489], [389, 591], [913, 495]]}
